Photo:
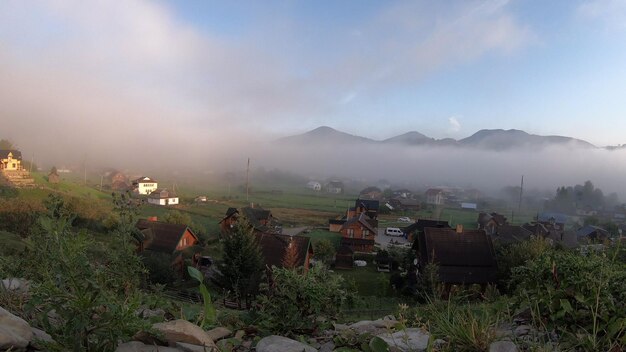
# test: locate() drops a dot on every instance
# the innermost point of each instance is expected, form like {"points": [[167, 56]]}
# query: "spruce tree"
{"points": [[243, 263]]}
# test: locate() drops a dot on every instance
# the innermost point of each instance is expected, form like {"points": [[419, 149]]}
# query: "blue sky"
{"points": [[205, 69]]}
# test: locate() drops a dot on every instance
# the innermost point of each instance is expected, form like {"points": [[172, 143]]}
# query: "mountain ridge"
{"points": [[489, 139]]}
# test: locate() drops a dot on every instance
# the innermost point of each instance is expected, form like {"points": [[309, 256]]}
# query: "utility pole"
{"points": [[521, 192], [101, 179], [248, 181]]}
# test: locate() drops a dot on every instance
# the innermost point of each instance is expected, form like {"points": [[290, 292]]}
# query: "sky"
{"points": [[138, 77]]}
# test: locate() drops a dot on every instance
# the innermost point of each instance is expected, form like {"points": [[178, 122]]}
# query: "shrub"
{"points": [[293, 302], [581, 297], [159, 267], [516, 255], [464, 327]]}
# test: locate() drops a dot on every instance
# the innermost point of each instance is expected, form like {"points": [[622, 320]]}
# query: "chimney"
{"points": [[152, 218], [459, 229]]}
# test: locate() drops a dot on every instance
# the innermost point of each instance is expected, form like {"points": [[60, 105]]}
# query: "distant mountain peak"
{"points": [[489, 139]]}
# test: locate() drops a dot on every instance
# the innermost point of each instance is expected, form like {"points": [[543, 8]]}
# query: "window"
{"points": [[365, 233], [351, 233]]}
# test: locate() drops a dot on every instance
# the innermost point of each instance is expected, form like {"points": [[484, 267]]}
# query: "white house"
{"points": [[163, 197], [435, 196], [314, 185], [145, 185]]}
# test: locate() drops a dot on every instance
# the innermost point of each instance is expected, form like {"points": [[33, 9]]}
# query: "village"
{"points": [[385, 242]]}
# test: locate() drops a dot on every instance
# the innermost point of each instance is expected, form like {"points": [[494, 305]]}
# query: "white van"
{"points": [[393, 231]]}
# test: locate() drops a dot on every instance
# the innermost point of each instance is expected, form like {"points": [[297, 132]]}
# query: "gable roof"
{"points": [[512, 233], [588, 230], [229, 213], [161, 236], [274, 246], [421, 224], [369, 204], [467, 257], [162, 193], [361, 219], [4, 153], [144, 179]]}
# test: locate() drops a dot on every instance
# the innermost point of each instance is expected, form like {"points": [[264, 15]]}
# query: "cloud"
{"points": [[132, 79], [611, 12], [455, 125]]}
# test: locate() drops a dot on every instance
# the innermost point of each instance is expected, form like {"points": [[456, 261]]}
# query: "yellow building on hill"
{"points": [[10, 159]]}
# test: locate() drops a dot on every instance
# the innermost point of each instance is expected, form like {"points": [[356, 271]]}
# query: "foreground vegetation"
{"points": [[87, 284]]}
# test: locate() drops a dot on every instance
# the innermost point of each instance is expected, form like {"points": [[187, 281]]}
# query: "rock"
{"points": [[187, 347], [184, 331], [219, 333], [327, 347], [407, 340], [149, 339], [14, 331], [17, 285], [384, 323], [364, 326], [147, 313], [340, 327], [503, 346], [389, 317], [40, 338], [276, 343], [522, 330], [240, 334], [136, 346], [228, 344]]}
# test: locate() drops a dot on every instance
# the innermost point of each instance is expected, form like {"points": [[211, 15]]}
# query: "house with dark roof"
{"points": [[467, 257], [416, 228], [405, 204], [10, 160], [334, 187], [162, 196], [116, 180], [229, 220], [163, 237], [261, 219], [592, 233], [491, 222], [274, 248], [507, 234]]}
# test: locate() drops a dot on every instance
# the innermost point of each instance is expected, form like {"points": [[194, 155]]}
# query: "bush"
{"points": [[293, 302], [581, 297], [515, 255], [159, 266]]}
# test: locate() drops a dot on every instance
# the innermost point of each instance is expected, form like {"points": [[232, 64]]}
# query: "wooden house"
{"points": [[10, 160], [358, 234], [229, 220], [491, 222], [275, 247], [464, 257], [507, 234], [116, 180], [261, 219], [163, 237]]}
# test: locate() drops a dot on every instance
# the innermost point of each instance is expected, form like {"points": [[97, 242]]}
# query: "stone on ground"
{"points": [[407, 340], [184, 331], [503, 346], [219, 333], [14, 331], [136, 346], [276, 343]]}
